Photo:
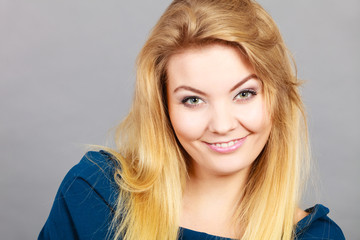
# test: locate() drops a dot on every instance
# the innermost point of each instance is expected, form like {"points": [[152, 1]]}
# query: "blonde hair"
{"points": [[152, 165]]}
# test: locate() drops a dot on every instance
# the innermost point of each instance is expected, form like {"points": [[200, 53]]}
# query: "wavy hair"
{"points": [[153, 168]]}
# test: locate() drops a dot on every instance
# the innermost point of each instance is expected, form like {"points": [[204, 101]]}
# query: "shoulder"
{"points": [[96, 171], [317, 225], [85, 202]]}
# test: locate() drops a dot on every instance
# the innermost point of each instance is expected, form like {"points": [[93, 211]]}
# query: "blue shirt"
{"points": [[85, 203]]}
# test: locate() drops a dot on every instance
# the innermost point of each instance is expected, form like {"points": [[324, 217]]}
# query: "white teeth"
{"points": [[225, 145]]}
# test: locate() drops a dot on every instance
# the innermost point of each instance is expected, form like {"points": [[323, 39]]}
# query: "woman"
{"points": [[215, 144]]}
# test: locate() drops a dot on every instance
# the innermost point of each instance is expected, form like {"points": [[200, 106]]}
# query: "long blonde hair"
{"points": [[152, 165]]}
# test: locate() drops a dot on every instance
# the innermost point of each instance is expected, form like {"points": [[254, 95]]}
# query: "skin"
{"points": [[215, 97]]}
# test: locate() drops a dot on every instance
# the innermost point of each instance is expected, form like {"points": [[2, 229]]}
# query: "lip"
{"points": [[232, 145]]}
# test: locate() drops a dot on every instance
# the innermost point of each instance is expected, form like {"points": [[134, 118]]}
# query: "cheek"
{"points": [[187, 125], [254, 116]]}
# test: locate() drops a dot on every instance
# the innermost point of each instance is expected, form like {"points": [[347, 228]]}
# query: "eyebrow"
{"points": [[251, 76], [232, 89]]}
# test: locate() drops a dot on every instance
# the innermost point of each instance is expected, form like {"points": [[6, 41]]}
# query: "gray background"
{"points": [[67, 75]]}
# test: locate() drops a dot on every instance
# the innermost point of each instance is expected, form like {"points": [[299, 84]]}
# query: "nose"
{"points": [[222, 119]]}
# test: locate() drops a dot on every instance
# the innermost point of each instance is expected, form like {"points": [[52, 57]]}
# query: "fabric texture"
{"points": [[85, 202]]}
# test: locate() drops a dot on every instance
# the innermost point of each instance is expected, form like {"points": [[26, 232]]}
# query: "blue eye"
{"points": [[245, 95], [192, 101]]}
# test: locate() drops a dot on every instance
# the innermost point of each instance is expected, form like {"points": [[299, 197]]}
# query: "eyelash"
{"points": [[245, 91], [252, 92], [185, 101]]}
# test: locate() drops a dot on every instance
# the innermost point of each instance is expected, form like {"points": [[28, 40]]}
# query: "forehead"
{"points": [[211, 65]]}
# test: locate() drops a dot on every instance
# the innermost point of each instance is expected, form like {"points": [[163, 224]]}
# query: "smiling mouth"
{"points": [[226, 147], [225, 144]]}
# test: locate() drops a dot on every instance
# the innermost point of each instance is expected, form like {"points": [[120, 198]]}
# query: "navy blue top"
{"points": [[85, 203]]}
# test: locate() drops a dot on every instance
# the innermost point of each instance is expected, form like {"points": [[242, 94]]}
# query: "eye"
{"points": [[245, 95], [192, 101]]}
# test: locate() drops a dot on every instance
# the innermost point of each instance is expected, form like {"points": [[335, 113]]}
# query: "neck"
{"points": [[226, 189], [211, 196]]}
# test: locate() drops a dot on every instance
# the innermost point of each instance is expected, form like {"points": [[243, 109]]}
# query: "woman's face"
{"points": [[217, 109]]}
